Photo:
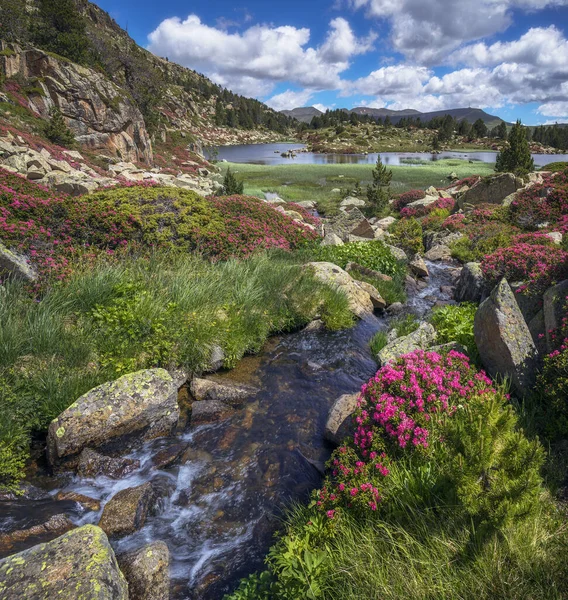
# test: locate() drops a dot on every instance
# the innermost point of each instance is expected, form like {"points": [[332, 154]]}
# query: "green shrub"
{"points": [[552, 393], [455, 324], [57, 131], [373, 255], [231, 185], [555, 167], [407, 234]]}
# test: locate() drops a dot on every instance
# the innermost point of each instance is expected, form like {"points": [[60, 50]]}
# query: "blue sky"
{"points": [[509, 57]]}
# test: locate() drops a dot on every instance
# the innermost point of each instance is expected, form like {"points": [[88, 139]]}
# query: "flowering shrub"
{"points": [[536, 265], [454, 222], [407, 234], [553, 388], [408, 197], [542, 203], [422, 211], [428, 409], [481, 238]]}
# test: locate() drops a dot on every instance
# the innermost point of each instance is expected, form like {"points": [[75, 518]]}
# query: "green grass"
{"points": [[315, 182], [128, 315]]}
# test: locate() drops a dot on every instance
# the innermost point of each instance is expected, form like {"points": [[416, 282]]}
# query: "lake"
{"points": [[270, 154]]}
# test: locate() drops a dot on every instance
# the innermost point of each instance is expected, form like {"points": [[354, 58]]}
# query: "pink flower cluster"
{"points": [[408, 197], [422, 211]]}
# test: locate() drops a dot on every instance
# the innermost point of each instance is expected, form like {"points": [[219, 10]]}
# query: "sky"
{"points": [[509, 57]]}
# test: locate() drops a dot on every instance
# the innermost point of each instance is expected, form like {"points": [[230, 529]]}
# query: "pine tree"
{"points": [[57, 131], [480, 128], [231, 185], [517, 157], [502, 131], [378, 193]]}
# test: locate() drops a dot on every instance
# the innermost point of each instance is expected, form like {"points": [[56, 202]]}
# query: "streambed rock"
{"points": [[339, 424], [86, 502], [420, 339], [418, 266], [55, 526], [147, 572], [92, 464], [79, 564], [439, 252], [207, 411], [503, 339], [142, 403], [127, 510], [234, 394], [378, 301]]}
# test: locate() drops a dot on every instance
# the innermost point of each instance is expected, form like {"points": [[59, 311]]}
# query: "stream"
{"points": [[222, 504]]}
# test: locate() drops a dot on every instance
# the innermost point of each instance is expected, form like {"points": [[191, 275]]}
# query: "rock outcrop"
{"points": [[142, 403], [78, 564], [146, 571], [92, 464], [504, 341], [491, 190]]}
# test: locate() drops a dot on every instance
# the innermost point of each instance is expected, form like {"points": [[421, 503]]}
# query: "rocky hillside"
{"points": [[117, 98]]}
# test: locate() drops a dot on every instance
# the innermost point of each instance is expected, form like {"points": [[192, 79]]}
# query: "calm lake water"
{"points": [[270, 154]]}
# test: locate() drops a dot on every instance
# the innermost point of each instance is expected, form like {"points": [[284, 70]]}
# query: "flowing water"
{"points": [[271, 154], [221, 505]]}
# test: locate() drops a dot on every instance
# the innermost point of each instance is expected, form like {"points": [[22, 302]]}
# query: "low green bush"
{"points": [[455, 324], [407, 234], [373, 255]]}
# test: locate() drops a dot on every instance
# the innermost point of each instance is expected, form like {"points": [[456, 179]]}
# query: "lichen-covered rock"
{"points": [[359, 300], [420, 339], [92, 464], [339, 423], [418, 266], [398, 253], [142, 403], [79, 565], [555, 301], [127, 510], [439, 252], [491, 190], [147, 572], [503, 339], [15, 266], [378, 301], [234, 394], [471, 285], [363, 230]]}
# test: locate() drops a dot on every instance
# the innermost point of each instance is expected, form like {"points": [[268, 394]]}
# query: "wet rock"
{"points": [[147, 572], [142, 403], [86, 502], [395, 308], [169, 455], [447, 290], [78, 564], [491, 190], [15, 266], [207, 411], [418, 266], [555, 300], [50, 529], [439, 252], [420, 339], [127, 510], [92, 464], [234, 394], [471, 285], [503, 339], [316, 325], [359, 300], [339, 424], [26, 491], [376, 298]]}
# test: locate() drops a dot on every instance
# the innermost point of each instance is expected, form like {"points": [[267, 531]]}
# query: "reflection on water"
{"points": [[270, 154]]}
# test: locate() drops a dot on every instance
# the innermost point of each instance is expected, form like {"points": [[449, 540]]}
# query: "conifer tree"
{"points": [[57, 131], [378, 193], [231, 185], [517, 157]]}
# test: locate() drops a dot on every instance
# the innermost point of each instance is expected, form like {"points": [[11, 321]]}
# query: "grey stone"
{"points": [[471, 285], [339, 424], [420, 339], [147, 572], [234, 394], [439, 252], [127, 511], [92, 464], [418, 266], [15, 266]]}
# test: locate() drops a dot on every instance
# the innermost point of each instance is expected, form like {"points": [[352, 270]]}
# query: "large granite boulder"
{"points": [[339, 424], [78, 564], [127, 511], [147, 572], [142, 404], [471, 285], [504, 341], [491, 190], [420, 339], [555, 302], [359, 300], [439, 252]]}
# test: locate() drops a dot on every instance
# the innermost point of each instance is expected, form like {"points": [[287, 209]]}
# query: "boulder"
{"points": [[376, 298], [435, 238], [503, 339], [351, 201], [418, 266], [385, 223], [353, 267], [420, 339], [395, 308], [86, 502], [439, 252], [555, 236], [170, 454], [127, 511], [491, 190], [233, 394], [555, 301], [398, 253], [423, 202], [339, 424], [15, 266], [78, 564], [142, 404], [331, 239], [363, 230], [92, 465], [471, 285], [359, 300], [147, 572]]}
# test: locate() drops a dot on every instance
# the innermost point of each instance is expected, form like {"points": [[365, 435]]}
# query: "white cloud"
{"points": [[390, 81], [323, 107], [554, 109], [260, 53], [427, 30], [289, 99]]}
